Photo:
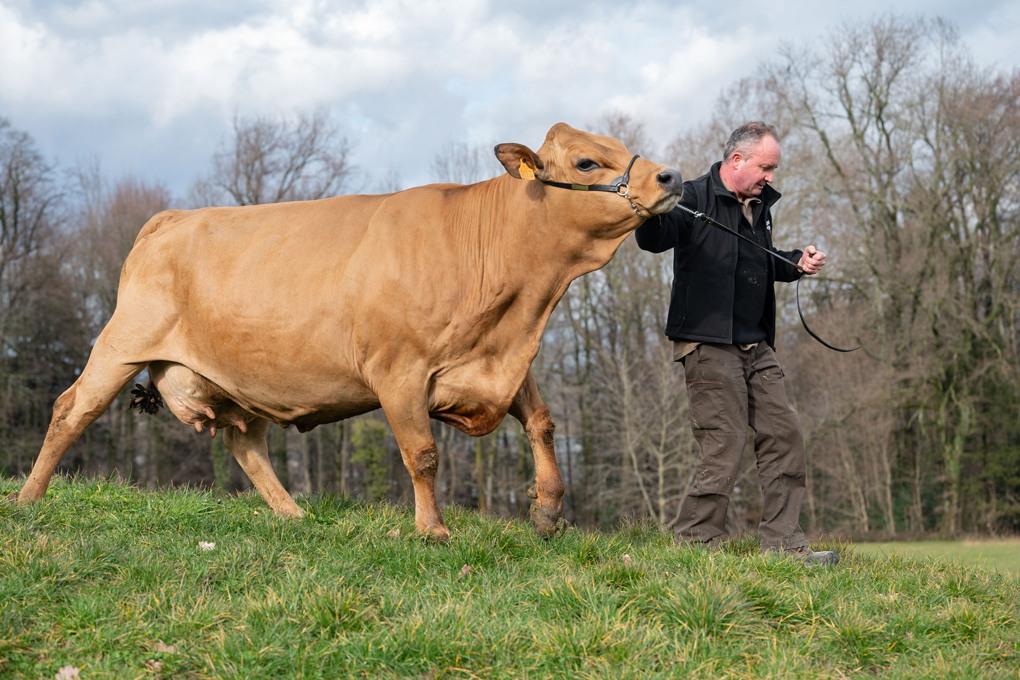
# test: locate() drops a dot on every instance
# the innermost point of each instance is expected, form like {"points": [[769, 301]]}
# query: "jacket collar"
{"points": [[769, 196]]}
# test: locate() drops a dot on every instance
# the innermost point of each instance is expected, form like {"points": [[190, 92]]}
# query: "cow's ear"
{"points": [[520, 161]]}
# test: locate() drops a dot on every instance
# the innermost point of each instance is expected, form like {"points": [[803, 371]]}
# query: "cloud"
{"points": [[153, 85]]}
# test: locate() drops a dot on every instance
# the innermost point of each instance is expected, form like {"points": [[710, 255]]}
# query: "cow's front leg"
{"points": [[409, 420], [547, 510]]}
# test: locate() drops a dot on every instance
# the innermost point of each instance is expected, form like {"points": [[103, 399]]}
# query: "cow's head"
{"points": [[580, 159]]}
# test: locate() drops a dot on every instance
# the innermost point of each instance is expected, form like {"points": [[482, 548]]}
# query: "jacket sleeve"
{"points": [[785, 272], [662, 232]]}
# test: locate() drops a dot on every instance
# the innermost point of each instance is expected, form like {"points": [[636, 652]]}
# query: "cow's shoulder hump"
{"points": [[156, 222]]}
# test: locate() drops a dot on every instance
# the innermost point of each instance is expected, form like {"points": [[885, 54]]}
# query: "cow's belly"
{"points": [[201, 403]]}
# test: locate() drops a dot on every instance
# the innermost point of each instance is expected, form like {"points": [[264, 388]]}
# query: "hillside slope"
{"points": [[113, 581]]}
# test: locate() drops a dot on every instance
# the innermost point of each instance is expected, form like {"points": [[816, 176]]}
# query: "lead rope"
{"points": [[709, 221], [620, 186]]}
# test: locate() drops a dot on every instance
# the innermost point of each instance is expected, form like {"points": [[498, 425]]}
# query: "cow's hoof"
{"points": [[546, 522], [289, 512], [436, 532], [23, 497]]}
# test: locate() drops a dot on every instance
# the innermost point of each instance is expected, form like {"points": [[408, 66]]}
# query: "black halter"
{"points": [[619, 186]]}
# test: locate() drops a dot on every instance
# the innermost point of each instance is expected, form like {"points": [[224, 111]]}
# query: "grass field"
{"points": [[113, 581], [1002, 556]]}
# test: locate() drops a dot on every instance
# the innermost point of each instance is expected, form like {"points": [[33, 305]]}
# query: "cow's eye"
{"points": [[586, 165]]}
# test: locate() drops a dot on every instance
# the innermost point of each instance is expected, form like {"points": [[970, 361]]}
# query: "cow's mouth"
{"points": [[665, 204]]}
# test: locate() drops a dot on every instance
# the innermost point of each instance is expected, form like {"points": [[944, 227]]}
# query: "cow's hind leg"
{"points": [[409, 420], [547, 510], [73, 411], [252, 453]]}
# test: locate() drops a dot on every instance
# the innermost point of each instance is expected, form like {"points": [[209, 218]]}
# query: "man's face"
{"points": [[752, 172]]}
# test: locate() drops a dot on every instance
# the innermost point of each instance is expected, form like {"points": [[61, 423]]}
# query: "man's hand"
{"points": [[812, 260]]}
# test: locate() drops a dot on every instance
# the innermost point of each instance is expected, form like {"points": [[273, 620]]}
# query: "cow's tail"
{"points": [[146, 399]]}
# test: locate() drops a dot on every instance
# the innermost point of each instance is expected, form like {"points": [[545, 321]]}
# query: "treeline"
{"points": [[901, 159]]}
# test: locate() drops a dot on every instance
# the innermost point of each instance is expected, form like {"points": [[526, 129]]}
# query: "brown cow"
{"points": [[429, 302]]}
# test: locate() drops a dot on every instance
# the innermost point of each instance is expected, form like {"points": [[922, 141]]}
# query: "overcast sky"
{"points": [[150, 86]]}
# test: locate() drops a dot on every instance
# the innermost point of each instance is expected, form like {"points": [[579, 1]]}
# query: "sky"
{"points": [[150, 87]]}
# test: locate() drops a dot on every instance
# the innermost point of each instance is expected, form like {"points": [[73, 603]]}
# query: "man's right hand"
{"points": [[812, 260]]}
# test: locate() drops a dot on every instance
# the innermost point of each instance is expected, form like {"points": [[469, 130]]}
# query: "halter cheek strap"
{"points": [[619, 186]]}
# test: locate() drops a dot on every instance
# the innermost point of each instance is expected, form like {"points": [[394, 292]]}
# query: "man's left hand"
{"points": [[812, 260]]}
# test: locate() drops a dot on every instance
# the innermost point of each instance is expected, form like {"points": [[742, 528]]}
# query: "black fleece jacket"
{"points": [[705, 260]]}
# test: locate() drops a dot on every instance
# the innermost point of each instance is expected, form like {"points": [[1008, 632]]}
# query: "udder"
{"points": [[196, 400]]}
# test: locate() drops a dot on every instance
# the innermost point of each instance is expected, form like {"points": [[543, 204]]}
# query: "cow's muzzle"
{"points": [[670, 180]]}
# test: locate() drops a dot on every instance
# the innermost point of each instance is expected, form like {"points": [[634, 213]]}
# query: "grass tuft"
{"points": [[111, 579]]}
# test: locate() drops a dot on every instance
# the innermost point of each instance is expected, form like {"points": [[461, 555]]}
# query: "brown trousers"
{"points": [[729, 389]]}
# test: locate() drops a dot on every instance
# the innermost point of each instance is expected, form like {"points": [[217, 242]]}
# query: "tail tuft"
{"points": [[146, 399]]}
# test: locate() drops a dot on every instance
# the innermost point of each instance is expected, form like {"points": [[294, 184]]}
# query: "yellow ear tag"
{"points": [[526, 172]]}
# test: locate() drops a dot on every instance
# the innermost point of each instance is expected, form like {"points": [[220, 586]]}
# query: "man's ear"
{"points": [[520, 161]]}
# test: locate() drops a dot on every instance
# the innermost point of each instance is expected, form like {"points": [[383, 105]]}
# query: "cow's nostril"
{"points": [[670, 179]]}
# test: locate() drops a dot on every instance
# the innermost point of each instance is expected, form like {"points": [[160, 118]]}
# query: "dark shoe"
{"points": [[824, 558]]}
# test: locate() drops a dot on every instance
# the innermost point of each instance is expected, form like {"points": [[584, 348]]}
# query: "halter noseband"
{"points": [[619, 186]]}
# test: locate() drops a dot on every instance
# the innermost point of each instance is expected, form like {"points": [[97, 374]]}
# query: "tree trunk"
{"points": [[221, 469], [278, 446], [129, 444], [341, 455], [490, 466], [890, 508], [480, 474], [320, 461], [297, 461], [88, 451], [111, 448], [453, 464], [158, 451]]}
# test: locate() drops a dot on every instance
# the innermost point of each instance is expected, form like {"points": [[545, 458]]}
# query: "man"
{"points": [[722, 320]]}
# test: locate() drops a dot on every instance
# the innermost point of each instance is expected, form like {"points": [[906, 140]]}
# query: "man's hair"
{"points": [[745, 137]]}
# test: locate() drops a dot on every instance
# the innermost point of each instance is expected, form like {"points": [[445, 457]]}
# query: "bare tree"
{"points": [[917, 152], [625, 128], [41, 338], [462, 163], [28, 201], [272, 159], [108, 221]]}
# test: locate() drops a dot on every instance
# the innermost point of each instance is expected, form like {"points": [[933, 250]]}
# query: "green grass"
{"points": [[100, 576], [995, 555]]}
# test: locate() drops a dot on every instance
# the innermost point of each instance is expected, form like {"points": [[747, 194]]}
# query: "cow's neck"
{"points": [[539, 244], [574, 229], [517, 254]]}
